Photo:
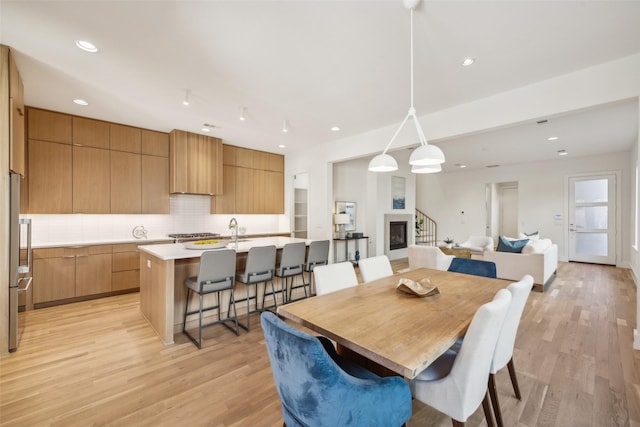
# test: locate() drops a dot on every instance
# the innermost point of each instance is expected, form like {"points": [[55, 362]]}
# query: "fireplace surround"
{"points": [[394, 248]]}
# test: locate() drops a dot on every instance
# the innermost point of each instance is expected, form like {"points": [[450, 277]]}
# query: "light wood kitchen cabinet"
{"points": [[195, 163], [81, 165], [91, 180], [16, 123], [275, 162], [245, 194], [93, 270], [50, 177], [226, 202], [90, 132], [49, 126], [125, 138], [155, 143], [253, 182], [54, 272], [125, 267], [155, 184], [66, 274], [259, 187], [126, 183], [274, 192]]}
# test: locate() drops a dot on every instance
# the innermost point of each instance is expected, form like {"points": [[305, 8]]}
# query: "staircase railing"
{"points": [[426, 229]]}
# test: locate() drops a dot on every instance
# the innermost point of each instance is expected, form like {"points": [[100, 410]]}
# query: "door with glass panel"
{"points": [[592, 219]]}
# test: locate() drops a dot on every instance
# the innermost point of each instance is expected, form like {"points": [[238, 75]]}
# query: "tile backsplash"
{"points": [[189, 214]]}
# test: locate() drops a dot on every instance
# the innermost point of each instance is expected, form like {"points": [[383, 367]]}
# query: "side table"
{"points": [[346, 247]]}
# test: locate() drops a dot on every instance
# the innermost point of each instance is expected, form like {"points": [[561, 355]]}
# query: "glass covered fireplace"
{"points": [[397, 235]]}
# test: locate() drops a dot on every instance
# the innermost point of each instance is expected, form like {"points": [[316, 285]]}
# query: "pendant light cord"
{"points": [[412, 110]]}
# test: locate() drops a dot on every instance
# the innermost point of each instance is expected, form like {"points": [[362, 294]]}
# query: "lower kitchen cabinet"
{"points": [[63, 275], [125, 268], [93, 270], [54, 275]]}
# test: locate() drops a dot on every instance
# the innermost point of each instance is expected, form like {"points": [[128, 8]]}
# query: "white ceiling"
{"points": [[318, 64]]}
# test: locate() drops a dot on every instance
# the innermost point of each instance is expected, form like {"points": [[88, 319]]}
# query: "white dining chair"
{"points": [[375, 268], [503, 355], [456, 383], [422, 256], [333, 277]]}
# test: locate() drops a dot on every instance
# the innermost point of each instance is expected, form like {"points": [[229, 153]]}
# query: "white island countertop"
{"points": [[180, 251]]}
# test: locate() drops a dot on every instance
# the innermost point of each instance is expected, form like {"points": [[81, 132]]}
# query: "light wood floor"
{"points": [[99, 363]]}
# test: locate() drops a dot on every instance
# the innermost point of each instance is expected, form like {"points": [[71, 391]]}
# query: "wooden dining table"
{"points": [[395, 331]]}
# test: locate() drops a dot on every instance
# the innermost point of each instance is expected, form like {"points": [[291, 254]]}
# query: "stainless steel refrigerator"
{"points": [[19, 273]]}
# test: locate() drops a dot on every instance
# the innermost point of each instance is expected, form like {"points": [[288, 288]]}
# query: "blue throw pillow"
{"points": [[514, 246]]}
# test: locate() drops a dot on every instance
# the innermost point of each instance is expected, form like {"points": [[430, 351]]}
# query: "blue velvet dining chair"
{"points": [[317, 387], [473, 266]]}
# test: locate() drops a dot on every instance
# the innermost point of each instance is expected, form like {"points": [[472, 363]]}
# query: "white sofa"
{"points": [[538, 258], [478, 244], [428, 257]]}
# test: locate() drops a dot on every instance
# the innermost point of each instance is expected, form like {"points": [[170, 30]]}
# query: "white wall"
{"points": [[542, 193]]}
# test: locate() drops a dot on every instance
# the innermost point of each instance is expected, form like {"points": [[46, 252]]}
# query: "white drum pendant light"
{"points": [[425, 157]]}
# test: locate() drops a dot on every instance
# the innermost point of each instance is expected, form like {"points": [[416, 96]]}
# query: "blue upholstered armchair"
{"points": [[316, 390], [473, 266]]}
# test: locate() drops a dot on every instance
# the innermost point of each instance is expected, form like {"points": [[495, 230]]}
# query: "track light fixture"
{"points": [[242, 115], [285, 126], [186, 98]]}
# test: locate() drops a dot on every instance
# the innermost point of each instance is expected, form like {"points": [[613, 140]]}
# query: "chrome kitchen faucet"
{"points": [[233, 224]]}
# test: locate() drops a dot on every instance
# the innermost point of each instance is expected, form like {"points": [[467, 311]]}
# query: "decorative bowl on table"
{"points": [[206, 244], [421, 288]]}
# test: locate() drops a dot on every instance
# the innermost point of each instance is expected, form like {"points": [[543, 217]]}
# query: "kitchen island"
{"points": [[163, 269]]}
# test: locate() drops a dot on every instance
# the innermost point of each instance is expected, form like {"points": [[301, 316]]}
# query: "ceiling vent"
{"points": [[493, 166], [541, 122]]}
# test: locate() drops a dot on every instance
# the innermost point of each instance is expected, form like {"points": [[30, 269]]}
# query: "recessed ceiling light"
{"points": [[460, 165], [282, 146], [467, 62], [206, 130], [562, 152], [335, 128], [81, 102], [86, 46], [552, 138]]}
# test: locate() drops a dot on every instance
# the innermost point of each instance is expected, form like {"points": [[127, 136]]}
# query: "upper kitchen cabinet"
{"points": [[195, 163], [125, 138], [253, 182], [82, 165], [155, 143], [12, 81], [91, 180], [49, 126], [126, 183], [50, 177], [90, 133]]}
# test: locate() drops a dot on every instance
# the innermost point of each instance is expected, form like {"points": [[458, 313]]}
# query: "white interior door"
{"points": [[592, 219], [509, 211]]}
